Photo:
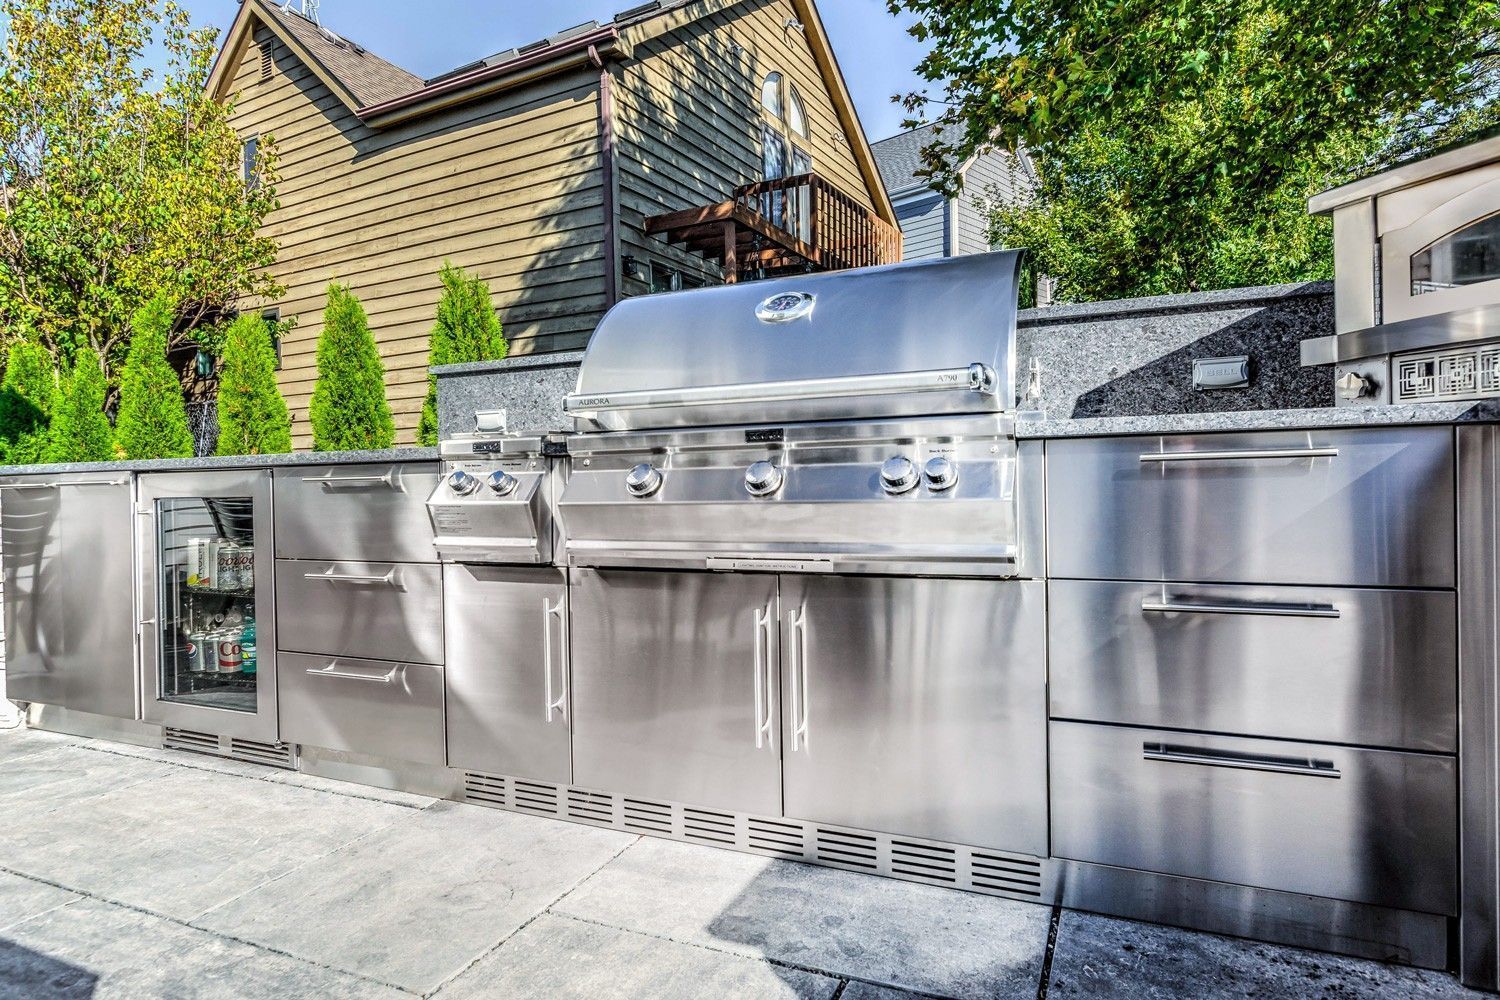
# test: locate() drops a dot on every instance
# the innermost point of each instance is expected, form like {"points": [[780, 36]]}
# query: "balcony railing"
{"points": [[792, 224]]}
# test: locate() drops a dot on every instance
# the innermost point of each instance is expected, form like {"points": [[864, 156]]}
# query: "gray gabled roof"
{"points": [[369, 78], [900, 157]]}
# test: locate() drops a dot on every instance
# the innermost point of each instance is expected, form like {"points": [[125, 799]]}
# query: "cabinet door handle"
{"points": [[388, 480], [332, 670], [61, 485], [1167, 606], [797, 649], [387, 580], [557, 699], [1238, 456], [764, 684], [1205, 757]]}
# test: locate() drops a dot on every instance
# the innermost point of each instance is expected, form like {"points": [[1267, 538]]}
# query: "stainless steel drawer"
{"points": [[375, 513], [374, 707], [383, 611], [1372, 507], [1370, 667], [1370, 826]]}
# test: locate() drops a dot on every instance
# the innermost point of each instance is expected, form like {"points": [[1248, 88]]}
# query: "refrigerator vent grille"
{"points": [[995, 873], [281, 755]]}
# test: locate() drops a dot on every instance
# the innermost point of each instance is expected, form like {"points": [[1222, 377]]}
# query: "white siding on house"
{"points": [[924, 224]]}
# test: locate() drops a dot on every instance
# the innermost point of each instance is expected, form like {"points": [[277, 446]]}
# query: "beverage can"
{"points": [[247, 647], [247, 567], [195, 562], [228, 567], [229, 653], [208, 567], [200, 646]]}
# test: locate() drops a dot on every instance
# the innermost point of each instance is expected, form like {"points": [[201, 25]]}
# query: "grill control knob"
{"points": [[941, 474], [643, 480], [763, 478], [462, 483], [502, 483], [899, 475]]}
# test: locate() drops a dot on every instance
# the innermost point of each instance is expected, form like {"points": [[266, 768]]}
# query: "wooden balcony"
{"points": [[788, 226]]}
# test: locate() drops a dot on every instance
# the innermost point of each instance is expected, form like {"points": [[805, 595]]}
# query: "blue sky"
{"points": [[431, 36]]}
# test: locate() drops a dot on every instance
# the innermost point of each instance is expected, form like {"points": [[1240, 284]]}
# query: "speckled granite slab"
{"points": [[232, 462], [529, 388], [1037, 426]]}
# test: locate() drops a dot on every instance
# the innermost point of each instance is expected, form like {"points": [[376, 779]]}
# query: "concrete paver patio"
{"points": [[127, 872]]}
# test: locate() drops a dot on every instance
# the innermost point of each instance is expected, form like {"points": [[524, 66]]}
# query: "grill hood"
{"points": [[918, 339]]}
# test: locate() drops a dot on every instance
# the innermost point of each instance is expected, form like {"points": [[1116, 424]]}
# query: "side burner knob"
{"points": [[502, 483], [899, 475], [462, 483], [942, 474], [643, 480]]}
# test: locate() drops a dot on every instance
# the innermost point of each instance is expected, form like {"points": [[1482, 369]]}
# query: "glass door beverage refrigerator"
{"points": [[208, 626]]}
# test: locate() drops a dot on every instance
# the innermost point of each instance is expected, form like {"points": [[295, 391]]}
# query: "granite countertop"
{"points": [[1042, 426], [230, 462]]}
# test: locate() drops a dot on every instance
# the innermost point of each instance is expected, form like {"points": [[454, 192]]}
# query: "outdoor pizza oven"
{"points": [[1417, 281]]}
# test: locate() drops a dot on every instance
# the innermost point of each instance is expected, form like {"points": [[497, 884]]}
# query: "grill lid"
{"points": [[931, 337]]}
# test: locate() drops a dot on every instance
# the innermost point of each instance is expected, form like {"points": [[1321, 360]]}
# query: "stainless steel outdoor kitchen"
{"points": [[817, 572]]}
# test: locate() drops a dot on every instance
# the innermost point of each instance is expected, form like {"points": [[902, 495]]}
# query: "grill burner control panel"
{"points": [[899, 475]]}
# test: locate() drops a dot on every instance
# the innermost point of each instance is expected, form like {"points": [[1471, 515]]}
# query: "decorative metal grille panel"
{"points": [[1449, 374]]}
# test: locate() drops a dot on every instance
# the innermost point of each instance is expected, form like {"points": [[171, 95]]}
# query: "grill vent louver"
{"points": [[994, 873]]}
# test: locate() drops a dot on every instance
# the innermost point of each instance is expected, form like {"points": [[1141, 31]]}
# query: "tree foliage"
{"points": [[253, 416], [80, 428], [117, 185], [152, 422], [348, 410], [28, 393], [467, 329], [1176, 142]]}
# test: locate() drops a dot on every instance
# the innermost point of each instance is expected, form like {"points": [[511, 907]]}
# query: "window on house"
{"points": [[796, 114], [267, 60], [770, 95], [273, 319], [665, 278], [251, 160], [1465, 257]]}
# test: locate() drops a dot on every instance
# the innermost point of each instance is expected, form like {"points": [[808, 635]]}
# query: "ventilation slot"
{"points": [[1010, 875], [534, 798], [483, 790], [924, 861], [715, 828], [648, 817], [839, 847], [268, 754], [186, 739], [784, 839], [267, 60], [591, 807]]}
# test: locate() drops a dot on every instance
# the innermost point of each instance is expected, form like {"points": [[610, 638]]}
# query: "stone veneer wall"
{"points": [[1128, 357]]}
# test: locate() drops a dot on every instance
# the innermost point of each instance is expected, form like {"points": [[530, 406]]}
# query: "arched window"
{"points": [[796, 115], [1465, 257], [770, 94]]}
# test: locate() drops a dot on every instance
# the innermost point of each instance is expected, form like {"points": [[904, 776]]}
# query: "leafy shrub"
{"points": [[153, 419], [253, 416], [27, 396], [467, 329], [349, 411], [80, 429]]}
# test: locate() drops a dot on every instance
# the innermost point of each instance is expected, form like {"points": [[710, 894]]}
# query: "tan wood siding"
{"points": [[509, 188], [690, 120]]}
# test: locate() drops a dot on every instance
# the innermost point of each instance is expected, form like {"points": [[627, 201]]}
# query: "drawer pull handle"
{"points": [[1245, 456], [332, 670], [385, 580], [1277, 610], [328, 482], [1308, 766], [64, 485]]}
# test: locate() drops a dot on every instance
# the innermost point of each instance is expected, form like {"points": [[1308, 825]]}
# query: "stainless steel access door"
{"points": [[69, 592], [675, 688], [917, 707], [507, 671]]}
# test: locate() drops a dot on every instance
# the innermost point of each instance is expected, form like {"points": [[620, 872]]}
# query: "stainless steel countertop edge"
{"points": [[1033, 426], [301, 458]]}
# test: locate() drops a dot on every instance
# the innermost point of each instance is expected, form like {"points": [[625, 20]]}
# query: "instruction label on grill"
{"points": [[449, 521], [774, 565]]}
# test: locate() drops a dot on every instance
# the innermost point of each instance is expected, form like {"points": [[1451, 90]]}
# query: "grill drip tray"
{"points": [[994, 873]]}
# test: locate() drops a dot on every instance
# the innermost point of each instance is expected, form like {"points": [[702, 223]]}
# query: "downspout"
{"points": [[607, 169]]}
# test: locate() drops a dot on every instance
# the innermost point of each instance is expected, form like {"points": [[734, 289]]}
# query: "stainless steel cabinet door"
{"points": [[507, 671], [69, 592], [917, 707], [371, 513], [675, 687], [1371, 507], [391, 710]]}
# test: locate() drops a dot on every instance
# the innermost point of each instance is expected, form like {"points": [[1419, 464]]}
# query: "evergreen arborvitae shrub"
{"points": [[80, 429], [253, 416], [349, 411], [467, 329], [27, 395], [152, 422]]}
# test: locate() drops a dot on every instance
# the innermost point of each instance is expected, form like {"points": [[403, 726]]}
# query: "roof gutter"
{"points": [[572, 53]]}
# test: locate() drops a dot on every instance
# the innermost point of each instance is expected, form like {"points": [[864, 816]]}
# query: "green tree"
{"points": [[1176, 142], [118, 182], [152, 422], [467, 329], [27, 395], [348, 410], [80, 428], [253, 417]]}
